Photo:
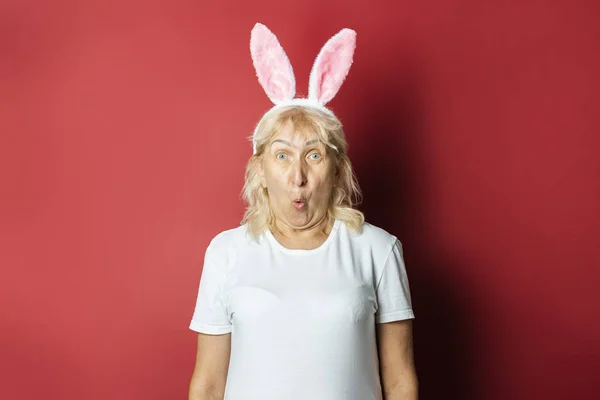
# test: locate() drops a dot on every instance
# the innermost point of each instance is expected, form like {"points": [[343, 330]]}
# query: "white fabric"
{"points": [[302, 321]]}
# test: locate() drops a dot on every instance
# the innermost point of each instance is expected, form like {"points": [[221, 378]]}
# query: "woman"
{"points": [[305, 300]]}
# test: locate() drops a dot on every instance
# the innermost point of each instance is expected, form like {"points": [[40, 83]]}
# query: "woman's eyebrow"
{"points": [[308, 143]]}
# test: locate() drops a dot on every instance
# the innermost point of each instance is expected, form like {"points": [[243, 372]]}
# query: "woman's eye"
{"points": [[315, 156], [280, 156]]}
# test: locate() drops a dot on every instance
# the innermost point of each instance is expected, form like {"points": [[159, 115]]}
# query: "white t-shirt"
{"points": [[302, 322]]}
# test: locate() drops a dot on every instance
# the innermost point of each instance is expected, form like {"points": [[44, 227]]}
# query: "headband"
{"points": [[276, 76]]}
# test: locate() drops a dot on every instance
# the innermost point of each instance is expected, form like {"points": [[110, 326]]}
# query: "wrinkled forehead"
{"points": [[297, 134]]}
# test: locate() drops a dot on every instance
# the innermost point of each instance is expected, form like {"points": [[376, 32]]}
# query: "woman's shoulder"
{"points": [[229, 239], [373, 236]]}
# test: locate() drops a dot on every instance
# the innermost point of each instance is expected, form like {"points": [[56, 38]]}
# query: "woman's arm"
{"points": [[396, 362], [210, 371]]}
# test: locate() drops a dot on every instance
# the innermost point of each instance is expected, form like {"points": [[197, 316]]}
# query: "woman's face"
{"points": [[299, 174]]}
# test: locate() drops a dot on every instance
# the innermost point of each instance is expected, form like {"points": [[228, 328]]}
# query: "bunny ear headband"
{"points": [[276, 76]]}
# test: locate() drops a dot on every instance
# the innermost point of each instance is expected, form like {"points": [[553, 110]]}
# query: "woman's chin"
{"points": [[298, 217]]}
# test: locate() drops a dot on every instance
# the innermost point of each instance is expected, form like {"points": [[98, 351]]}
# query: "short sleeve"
{"points": [[210, 314], [393, 292]]}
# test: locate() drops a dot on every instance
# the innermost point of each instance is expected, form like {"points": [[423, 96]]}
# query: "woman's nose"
{"points": [[299, 173]]}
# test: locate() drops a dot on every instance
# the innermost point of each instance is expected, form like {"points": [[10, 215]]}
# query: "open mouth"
{"points": [[299, 204]]}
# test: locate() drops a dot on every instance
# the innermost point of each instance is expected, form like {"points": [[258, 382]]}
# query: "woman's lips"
{"points": [[299, 204]]}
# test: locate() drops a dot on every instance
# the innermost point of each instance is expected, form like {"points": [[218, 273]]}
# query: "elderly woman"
{"points": [[305, 300]]}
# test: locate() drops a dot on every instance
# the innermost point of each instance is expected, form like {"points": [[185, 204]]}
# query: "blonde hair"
{"points": [[346, 193]]}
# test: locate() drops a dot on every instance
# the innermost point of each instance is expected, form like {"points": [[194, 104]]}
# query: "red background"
{"points": [[473, 127]]}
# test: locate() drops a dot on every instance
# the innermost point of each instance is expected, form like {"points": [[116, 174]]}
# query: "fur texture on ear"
{"points": [[276, 76], [332, 66], [272, 65]]}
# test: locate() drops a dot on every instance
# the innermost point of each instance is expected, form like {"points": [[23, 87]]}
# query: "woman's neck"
{"points": [[304, 238]]}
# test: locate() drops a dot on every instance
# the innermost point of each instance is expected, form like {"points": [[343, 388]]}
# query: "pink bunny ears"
{"points": [[276, 76]]}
